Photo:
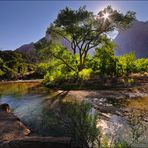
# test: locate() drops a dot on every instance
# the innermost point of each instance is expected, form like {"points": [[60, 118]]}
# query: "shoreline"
{"points": [[122, 93], [22, 81]]}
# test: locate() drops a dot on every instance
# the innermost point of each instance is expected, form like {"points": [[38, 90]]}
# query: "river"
{"points": [[34, 104]]}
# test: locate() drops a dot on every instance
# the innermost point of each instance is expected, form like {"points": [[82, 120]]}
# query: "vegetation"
{"points": [[79, 50], [78, 120], [80, 124], [13, 65], [83, 32]]}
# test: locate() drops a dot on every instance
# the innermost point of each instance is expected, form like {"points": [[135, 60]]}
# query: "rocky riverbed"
{"points": [[30, 102], [117, 108]]}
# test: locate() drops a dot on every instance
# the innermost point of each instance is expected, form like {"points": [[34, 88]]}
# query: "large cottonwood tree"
{"points": [[85, 31]]}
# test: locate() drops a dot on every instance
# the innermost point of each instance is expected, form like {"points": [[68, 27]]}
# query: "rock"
{"points": [[146, 119], [5, 107], [38, 142], [10, 126], [13, 134]]}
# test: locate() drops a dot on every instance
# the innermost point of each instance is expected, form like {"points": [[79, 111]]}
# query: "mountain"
{"points": [[134, 39], [28, 52], [27, 48]]}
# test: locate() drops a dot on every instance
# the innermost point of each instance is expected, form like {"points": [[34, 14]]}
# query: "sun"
{"points": [[106, 15]]}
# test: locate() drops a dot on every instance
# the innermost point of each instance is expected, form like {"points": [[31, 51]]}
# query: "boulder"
{"points": [[10, 126], [5, 107]]}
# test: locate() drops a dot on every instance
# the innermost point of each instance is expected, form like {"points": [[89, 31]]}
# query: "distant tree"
{"points": [[13, 63], [104, 60], [141, 65], [125, 64], [1, 67]]}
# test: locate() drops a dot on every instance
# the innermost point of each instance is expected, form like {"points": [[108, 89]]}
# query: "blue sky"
{"points": [[22, 22]]}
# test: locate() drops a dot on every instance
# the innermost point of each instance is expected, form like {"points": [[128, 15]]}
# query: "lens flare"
{"points": [[106, 16]]}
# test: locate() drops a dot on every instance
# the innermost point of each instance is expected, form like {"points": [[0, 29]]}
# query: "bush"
{"points": [[1, 72], [125, 64], [141, 65], [79, 123], [85, 74], [51, 78]]}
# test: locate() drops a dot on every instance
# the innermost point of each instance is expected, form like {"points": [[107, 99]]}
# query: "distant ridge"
{"points": [[133, 39], [29, 48], [26, 48]]}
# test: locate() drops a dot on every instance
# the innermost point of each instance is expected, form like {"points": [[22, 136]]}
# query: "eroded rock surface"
{"points": [[10, 125]]}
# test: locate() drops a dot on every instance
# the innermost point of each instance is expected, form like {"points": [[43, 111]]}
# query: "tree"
{"points": [[13, 64], [84, 31], [125, 64], [1, 67], [141, 65], [104, 60]]}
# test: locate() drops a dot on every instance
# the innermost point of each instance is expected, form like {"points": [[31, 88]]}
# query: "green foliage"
{"points": [[104, 61], [1, 72], [104, 142], [85, 74], [141, 65], [121, 144], [42, 69], [125, 64], [79, 123], [83, 32], [13, 64], [51, 78], [56, 71]]}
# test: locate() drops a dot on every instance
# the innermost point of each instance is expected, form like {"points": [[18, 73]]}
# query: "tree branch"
{"points": [[55, 31], [62, 61]]}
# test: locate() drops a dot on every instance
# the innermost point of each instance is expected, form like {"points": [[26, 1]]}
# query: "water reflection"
{"points": [[33, 104]]}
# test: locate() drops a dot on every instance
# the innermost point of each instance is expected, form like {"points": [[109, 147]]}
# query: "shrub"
{"points": [[79, 123], [1, 72], [85, 74], [141, 65]]}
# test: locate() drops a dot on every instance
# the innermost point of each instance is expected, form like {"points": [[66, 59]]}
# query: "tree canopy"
{"points": [[85, 31]]}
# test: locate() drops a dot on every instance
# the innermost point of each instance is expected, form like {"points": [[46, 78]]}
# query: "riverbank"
{"points": [[116, 109], [32, 100], [112, 101], [122, 93], [22, 81]]}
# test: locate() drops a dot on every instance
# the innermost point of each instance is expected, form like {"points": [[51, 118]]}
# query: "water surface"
{"points": [[34, 104]]}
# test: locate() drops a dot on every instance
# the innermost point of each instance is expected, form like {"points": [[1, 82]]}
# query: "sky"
{"points": [[23, 22]]}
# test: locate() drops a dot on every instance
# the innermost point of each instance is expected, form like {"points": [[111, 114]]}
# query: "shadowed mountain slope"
{"points": [[133, 39]]}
